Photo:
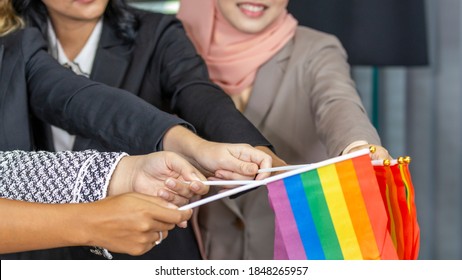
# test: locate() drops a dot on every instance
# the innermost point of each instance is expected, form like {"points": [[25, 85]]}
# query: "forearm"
{"points": [[28, 226], [339, 113], [56, 177], [74, 103]]}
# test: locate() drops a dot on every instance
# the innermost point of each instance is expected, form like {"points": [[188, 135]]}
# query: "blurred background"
{"points": [[406, 60]]}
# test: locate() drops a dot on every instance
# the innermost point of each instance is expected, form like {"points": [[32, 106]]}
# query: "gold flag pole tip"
{"points": [[407, 159], [372, 149]]}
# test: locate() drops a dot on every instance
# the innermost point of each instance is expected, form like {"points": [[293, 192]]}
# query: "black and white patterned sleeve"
{"points": [[60, 177]]}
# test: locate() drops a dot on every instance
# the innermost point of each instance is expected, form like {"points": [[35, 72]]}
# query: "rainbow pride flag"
{"points": [[331, 210]]}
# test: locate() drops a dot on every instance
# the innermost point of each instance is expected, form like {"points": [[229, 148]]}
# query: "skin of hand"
{"points": [[380, 153], [224, 161], [130, 222], [163, 174], [277, 161], [127, 223], [233, 161]]}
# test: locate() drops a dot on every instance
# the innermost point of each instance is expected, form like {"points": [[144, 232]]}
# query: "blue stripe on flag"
{"points": [[303, 217]]}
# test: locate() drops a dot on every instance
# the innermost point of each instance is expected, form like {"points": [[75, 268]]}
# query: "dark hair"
{"points": [[117, 13]]}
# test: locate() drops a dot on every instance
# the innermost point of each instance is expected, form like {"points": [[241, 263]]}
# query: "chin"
{"points": [[250, 28]]}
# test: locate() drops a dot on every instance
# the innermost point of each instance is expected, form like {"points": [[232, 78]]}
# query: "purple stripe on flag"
{"points": [[280, 252], [280, 200]]}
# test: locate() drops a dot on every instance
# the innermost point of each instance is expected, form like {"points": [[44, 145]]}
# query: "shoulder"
{"points": [[156, 28], [315, 37], [309, 40], [28, 41], [12, 40], [151, 21]]}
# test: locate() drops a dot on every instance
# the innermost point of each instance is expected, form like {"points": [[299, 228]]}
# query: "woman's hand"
{"points": [[163, 174], [232, 161], [222, 160], [129, 223]]}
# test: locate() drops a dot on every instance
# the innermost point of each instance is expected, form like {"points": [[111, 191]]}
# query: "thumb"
{"points": [[241, 167]]}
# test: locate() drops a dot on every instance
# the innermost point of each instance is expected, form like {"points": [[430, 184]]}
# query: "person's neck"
{"points": [[73, 35]]}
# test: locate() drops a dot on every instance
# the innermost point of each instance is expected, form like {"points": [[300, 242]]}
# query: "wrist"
{"points": [[77, 224], [120, 181], [354, 145], [276, 161], [86, 223], [182, 141]]}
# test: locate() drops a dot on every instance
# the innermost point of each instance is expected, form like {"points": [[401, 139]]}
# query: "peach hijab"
{"points": [[232, 57]]}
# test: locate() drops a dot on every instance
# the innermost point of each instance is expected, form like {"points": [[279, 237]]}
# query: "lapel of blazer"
{"points": [[266, 85], [112, 58], [110, 65], [265, 89]]}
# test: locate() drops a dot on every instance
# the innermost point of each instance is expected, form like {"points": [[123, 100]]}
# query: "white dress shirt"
{"points": [[82, 65]]}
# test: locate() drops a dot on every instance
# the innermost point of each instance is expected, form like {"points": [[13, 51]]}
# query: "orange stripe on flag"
{"points": [[357, 209]]}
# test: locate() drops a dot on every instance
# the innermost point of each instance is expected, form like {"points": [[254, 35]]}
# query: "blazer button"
{"points": [[239, 224]]}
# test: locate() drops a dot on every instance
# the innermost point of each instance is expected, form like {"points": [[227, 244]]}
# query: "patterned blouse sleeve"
{"points": [[61, 177]]}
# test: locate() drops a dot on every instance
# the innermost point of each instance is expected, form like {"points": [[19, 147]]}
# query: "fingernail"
{"points": [[183, 224], [194, 186], [170, 183], [163, 194], [252, 169], [171, 206]]}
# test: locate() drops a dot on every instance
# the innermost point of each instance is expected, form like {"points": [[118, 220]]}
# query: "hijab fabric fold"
{"points": [[232, 57]]}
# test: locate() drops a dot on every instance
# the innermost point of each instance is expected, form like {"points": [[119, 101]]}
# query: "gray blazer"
{"points": [[305, 103]]}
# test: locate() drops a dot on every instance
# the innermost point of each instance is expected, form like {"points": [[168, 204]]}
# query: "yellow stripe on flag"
{"points": [[392, 220], [339, 212]]}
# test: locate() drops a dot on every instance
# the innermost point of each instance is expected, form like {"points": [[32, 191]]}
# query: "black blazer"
{"points": [[33, 85], [30, 77], [162, 67]]}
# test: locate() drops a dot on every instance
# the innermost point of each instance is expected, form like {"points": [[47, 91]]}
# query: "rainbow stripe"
{"points": [[331, 212]]}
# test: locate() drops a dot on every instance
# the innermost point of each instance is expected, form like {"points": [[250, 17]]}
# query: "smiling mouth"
{"points": [[252, 9]]}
